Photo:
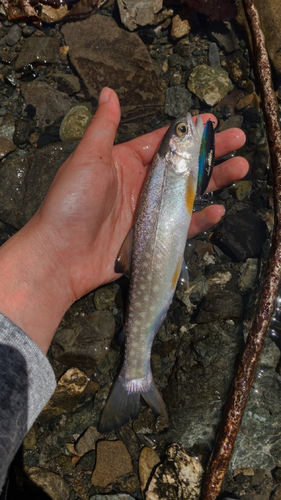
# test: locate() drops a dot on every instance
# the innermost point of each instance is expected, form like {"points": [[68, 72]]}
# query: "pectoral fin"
{"points": [[124, 257]]}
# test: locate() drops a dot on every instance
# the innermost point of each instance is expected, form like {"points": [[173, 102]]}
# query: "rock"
{"points": [[86, 341], [50, 104], [238, 69], [232, 121], [113, 461], [105, 297], [224, 35], [14, 35], [49, 14], [52, 484], [75, 123], [7, 126], [243, 189], [241, 235], [127, 68], [214, 55], [177, 101], [73, 388], [119, 496], [38, 50], [6, 147], [23, 128], [180, 28], [200, 382], [245, 101], [87, 441], [270, 19], [209, 84], [219, 305], [179, 476], [69, 84], [136, 13], [13, 173], [147, 461]]}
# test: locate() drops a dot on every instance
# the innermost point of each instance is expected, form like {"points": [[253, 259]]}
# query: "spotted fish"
{"points": [[152, 255]]}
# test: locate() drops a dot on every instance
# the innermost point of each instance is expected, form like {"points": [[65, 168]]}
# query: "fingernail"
{"points": [[104, 95]]}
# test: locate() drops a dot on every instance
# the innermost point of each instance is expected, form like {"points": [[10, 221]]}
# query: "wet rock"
{"points": [[49, 14], [136, 13], [147, 462], [271, 26], [23, 128], [50, 104], [214, 56], [113, 461], [87, 441], [232, 121], [241, 235], [73, 388], [75, 123], [238, 69], [180, 28], [13, 172], [128, 68], [177, 101], [219, 305], [119, 496], [7, 127], [248, 276], [86, 341], [69, 84], [52, 484], [200, 381], [209, 84], [38, 50], [105, 297], [225, 36], [245, 101], [14, 35], [6, 147], [178, 477]]}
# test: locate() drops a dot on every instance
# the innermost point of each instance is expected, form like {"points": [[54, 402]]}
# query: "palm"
{"points": [[92, 202]]}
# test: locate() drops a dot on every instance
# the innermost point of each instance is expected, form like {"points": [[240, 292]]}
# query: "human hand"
{"points": [[75, 236]]}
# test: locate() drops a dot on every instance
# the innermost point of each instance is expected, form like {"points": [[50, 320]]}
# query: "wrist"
{"points": [[34, 291]]}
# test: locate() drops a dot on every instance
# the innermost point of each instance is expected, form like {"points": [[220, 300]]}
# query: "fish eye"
{"points": [[181, 129]]}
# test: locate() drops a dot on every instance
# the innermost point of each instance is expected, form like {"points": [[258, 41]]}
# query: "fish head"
{"points": [[180, 146]]}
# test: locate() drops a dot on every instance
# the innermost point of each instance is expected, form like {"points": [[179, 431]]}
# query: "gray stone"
{"points": [[225, 37], [136, 13], [248, 276], [50, 104], [68, 83], [14, 35], [209, 84], [220, 305], [38, 50], [7, 126], [232, 121], [13, 171], [119, 496], [75, 123], [177, 101], [87, 441], [105, 297], [128, 69], [214, 55], [85, 342]]}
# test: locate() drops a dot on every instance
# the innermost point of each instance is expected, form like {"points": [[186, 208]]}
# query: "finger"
{"points": [[203, 220], [229, 140], [227, 172], [99, 137], [146, 145]]}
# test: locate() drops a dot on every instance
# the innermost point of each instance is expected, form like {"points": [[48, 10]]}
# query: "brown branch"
{"points": [[244, 377]]}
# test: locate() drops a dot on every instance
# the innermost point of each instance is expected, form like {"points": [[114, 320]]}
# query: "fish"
{"points": [[152, 255]]}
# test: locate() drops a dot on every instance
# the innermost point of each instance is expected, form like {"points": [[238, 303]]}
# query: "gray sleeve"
{"points": [[27, 382]]}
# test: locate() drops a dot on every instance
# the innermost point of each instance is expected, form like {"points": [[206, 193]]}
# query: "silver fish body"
{"points": [[158, 242]]}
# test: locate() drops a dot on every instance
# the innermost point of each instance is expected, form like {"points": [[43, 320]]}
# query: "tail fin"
{"points": [[124, 402]]}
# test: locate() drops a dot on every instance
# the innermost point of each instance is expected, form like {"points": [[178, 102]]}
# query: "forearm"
{"points": [[34, 292]]}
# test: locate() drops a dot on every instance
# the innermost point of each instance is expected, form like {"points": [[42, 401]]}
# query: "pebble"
{"points": [[214, 55], [136, 13], [87, 441], [209, 84], [75, 123], [248, 276], [14, 35], [49, 14], [39, 50], [245, 101], [177, 101], [52, 484], [180, 28], [242, 189], [113, 461]]}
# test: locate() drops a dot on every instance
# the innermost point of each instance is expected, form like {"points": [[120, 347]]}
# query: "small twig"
{"points": [[244, 377]]}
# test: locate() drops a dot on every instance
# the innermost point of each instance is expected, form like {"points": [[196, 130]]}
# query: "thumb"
{"points": [[99, 137]]}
